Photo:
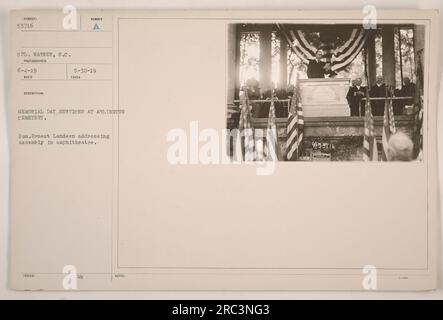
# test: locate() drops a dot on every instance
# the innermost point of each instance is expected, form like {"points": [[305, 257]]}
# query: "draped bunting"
{"points": [[307, 49], [295, 47], [345, 54], [338, 57]]}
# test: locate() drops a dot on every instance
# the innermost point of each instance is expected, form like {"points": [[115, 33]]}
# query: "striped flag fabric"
{"points": [[303, 53], [419, 104], [271, 118], [339, 57], [294, 127], [345, 54], [245, 127], [370, 152], [420, 133], [388, 127], [271, 132], [302, 45]]}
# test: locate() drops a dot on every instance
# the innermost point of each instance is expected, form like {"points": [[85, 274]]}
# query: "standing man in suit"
{"points": [[317, 68], [378, 91], [354, 96]]}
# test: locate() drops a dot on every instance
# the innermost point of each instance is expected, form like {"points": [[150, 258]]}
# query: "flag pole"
{"points": [[368, 101]]}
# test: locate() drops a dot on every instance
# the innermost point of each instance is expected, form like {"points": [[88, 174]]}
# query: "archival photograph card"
{"points": [[176, 150]]}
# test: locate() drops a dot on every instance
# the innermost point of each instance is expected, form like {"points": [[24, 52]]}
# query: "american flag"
{"points": [[388, 127], [338, 57], [271, 118], [420, 134], [271, 133], [295, 127], [419, 103], [370, 152], [245, 126]]}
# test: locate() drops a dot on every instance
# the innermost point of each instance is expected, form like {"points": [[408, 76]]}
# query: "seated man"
{"points": [[400, 147], [378, 91], [253, 87], [354, 96]]}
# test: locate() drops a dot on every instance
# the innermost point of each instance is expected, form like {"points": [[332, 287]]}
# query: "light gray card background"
{"points": [[5, 6]]}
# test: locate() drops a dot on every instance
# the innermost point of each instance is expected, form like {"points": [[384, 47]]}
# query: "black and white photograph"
{"points": [[330, 92]]}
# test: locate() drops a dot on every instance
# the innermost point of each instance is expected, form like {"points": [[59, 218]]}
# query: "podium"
{"points": [[325, 97]]}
